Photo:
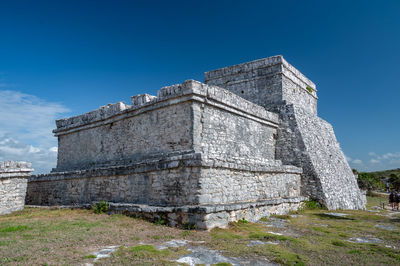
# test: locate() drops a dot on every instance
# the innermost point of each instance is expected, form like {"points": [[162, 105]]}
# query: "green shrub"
{"points": [[309, 89], [161, 221], [369, 181], [243, 221], [189, 226], [100, 207], [312, 205]]}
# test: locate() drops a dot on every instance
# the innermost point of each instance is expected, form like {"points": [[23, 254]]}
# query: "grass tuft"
{"points": [[339, 243], [267, 236]]}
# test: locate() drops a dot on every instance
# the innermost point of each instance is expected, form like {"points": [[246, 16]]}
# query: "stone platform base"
{"points": [[203, 217]]}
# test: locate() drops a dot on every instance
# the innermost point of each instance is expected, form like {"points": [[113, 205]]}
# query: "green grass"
{"points": [[267, 236], [17, 228], [54, 237], [339, 243]]}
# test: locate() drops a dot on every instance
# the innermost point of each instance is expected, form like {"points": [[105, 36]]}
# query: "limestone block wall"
{"points": [[308, 141], [192, 144], [267, 82], [160, 183], [303, 139], [229, 137], [157, 131], [13, 183], [227, 185], [184, 118]]}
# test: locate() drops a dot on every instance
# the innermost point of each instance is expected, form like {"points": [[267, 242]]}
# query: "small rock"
{"points": [[275, 222], [360, 240], [255, 243], [259, 243], [172, 244], [105, 252], [201, 255], [386, 227], [337, 214], [321, 225], [274, 233]]}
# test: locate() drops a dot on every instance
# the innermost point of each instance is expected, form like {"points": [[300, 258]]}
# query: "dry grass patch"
{"points": [[43, 236]]}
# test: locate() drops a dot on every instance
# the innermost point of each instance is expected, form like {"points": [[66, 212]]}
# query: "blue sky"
{"points": [[62, 58]]}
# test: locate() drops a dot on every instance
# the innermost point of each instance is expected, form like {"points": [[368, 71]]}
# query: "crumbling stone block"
{"points": [[13, 183]]}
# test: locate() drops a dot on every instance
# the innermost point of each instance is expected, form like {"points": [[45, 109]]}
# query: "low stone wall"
{"points": [[210, 216], [13, 184], [185, 189], [177, 181]]}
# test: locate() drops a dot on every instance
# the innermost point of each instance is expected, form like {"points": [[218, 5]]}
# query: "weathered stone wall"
{"points": [[229, 137], [210, 216], [131, 184], [303, 140], [13, 183], [308, 141], [188, 180], [158, 131], [220, 185], [171, 123], [193, 145], [267, 82]]}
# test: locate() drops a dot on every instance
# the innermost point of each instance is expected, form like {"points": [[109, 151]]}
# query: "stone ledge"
{"points": [[190, 90], [256, 64], [186, 160], [203, 209], [11, 169]]}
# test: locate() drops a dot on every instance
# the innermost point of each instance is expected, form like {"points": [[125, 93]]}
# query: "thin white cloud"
{"points": [[357, 161], [26, 124], [349, 159], [42, 159], [372, 154], [374, 161]]}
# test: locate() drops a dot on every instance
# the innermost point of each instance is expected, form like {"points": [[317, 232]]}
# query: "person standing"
{"points": [[396, 200], [392, 199]]}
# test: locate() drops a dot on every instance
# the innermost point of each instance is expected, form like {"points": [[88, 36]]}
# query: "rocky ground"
{"points": [[309, 237]]}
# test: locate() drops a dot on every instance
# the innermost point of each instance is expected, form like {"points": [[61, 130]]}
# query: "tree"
{"points": [[369, 181], [394, 181]]}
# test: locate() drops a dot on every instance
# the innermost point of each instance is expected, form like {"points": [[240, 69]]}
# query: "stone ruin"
{"points": [[13, 183], [246, 143]]}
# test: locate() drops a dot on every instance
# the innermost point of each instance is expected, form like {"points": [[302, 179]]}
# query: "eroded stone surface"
{"points": [[336, 214], [304, 139], [173, 244], [202, 255], [361, 240], [387, 227], [105, 252], [249, 139], [13, 184], [275, 222], [259, 243]]}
